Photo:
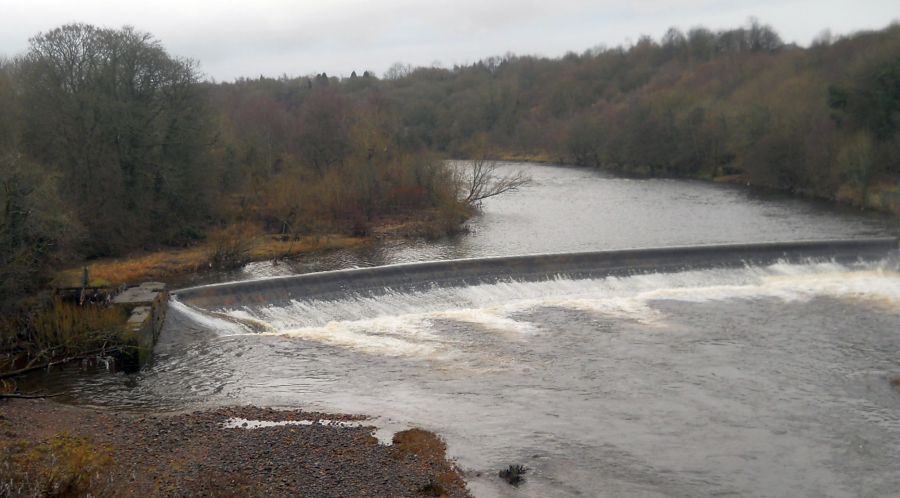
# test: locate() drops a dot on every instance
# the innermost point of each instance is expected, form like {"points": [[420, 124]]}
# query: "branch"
{"points": [[483, 183], [49, 364], [28, 396]]}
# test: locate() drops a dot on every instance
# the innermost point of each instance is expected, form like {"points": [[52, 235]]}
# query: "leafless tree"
{"points": [[480, 180]]}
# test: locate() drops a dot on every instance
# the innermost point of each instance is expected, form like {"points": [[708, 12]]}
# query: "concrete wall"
{"points": [[146, 305], [334, 284]]}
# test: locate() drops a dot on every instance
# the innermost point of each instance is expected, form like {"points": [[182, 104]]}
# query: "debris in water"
{"points": [[514, 475]]}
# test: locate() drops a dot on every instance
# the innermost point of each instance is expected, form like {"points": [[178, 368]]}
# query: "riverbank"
{"points": [[246, 245], [882, 197], [163, 265], [50, 448]]}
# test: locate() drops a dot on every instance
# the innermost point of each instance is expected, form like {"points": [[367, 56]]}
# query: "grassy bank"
{"points": [[164, 264], [528, 157], [49, 328]]}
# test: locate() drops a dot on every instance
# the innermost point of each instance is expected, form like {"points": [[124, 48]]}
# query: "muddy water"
{"points": [[757, 381]]}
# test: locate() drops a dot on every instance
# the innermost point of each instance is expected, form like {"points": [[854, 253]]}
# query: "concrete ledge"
{"points": [[146, 305], [411, 276]]}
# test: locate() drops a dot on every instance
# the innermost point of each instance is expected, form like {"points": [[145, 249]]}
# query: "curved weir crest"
{"points": [[465, 272], [748, 370]]}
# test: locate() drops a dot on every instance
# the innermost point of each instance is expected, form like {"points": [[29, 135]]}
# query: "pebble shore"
{"points": [[195, 454]]}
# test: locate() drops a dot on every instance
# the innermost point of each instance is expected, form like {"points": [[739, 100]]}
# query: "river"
{"points": [[750, 381]]}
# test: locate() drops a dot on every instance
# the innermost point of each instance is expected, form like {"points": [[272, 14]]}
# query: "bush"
{"points": [[230, 247]]}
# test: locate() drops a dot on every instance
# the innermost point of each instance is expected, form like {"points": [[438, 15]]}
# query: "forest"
{"points": [[110, 145]]}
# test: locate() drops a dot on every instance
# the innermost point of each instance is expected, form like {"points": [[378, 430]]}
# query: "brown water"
{"points": [[755, 381]]}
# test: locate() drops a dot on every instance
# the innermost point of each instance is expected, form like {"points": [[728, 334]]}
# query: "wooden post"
{"points": [[85, 280]]}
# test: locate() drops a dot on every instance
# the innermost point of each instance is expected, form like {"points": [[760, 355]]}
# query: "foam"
{"points": [[209, 320], [402, 324]]}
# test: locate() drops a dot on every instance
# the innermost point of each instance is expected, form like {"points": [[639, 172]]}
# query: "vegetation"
{"points": [[740, 104], [110, 146], [55, 332], [431, 451], [61, 466]]}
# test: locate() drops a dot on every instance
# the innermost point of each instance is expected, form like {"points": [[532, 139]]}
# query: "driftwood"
{"points": [[80, 356], [27, 396]]}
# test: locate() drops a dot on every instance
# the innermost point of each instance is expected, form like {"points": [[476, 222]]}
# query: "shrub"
{"points": [[230, 247]]}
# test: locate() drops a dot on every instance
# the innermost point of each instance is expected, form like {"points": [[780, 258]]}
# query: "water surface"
{"points": [[754, 381], [568, 209]]}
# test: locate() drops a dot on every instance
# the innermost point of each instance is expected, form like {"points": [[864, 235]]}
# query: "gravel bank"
{"points": [[194, 455]]}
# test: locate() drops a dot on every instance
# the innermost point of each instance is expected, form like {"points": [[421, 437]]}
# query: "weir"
{"points": [[462, 272]]}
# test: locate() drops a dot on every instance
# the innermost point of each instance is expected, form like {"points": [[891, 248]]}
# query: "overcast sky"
{"points": [[274, 37]]}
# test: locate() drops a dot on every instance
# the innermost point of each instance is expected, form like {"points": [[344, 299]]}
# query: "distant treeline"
{"points": [[820, 121], [739, 104], [109, 144]]}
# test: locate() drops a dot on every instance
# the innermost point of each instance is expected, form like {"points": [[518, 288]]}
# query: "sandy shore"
{"points": [[47, 446]]}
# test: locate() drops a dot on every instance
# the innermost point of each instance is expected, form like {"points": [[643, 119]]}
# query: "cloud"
{"points": [[232, 38]]}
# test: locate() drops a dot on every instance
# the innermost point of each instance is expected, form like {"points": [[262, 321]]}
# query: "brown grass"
{"points": [[62, 466], [529, 157], [161, 265], [421, 443], [432, 451], [68, 328], [54, 331]]}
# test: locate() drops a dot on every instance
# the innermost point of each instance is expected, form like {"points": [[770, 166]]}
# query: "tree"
{"points": [[124, 123], [324, 128], [397, 71], [33, 226], [762, 38], [479, 180], [674, 43]]}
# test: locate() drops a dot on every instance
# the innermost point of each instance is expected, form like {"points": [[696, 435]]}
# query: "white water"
{"points": [[400, 324], [755, 381]]}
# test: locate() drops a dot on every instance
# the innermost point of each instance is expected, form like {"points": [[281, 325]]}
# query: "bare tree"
{"points": [[480, 181]]}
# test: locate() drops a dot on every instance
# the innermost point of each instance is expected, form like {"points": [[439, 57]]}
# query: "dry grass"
{"points": [[62, 466], [55, 331], [528, 157], [421, 443], [430, 224], [66, 328], [432, 451], [162, 265]]}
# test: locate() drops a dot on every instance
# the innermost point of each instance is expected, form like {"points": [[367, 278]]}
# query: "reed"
{"points": [[69, 329]]}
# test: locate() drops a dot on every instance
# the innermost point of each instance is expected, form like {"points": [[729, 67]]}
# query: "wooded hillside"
{"points": [[109, 144]]}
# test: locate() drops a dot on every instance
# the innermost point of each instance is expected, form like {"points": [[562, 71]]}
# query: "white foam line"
{"points": [[243, 423], [355, 335], [218, 325], [385, 435]]}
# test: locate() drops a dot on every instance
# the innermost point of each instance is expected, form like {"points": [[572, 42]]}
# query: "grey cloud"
{"points": [[232, 38]]}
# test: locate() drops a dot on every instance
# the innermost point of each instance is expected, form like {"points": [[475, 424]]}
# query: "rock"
{"points": [[514, 475]]}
